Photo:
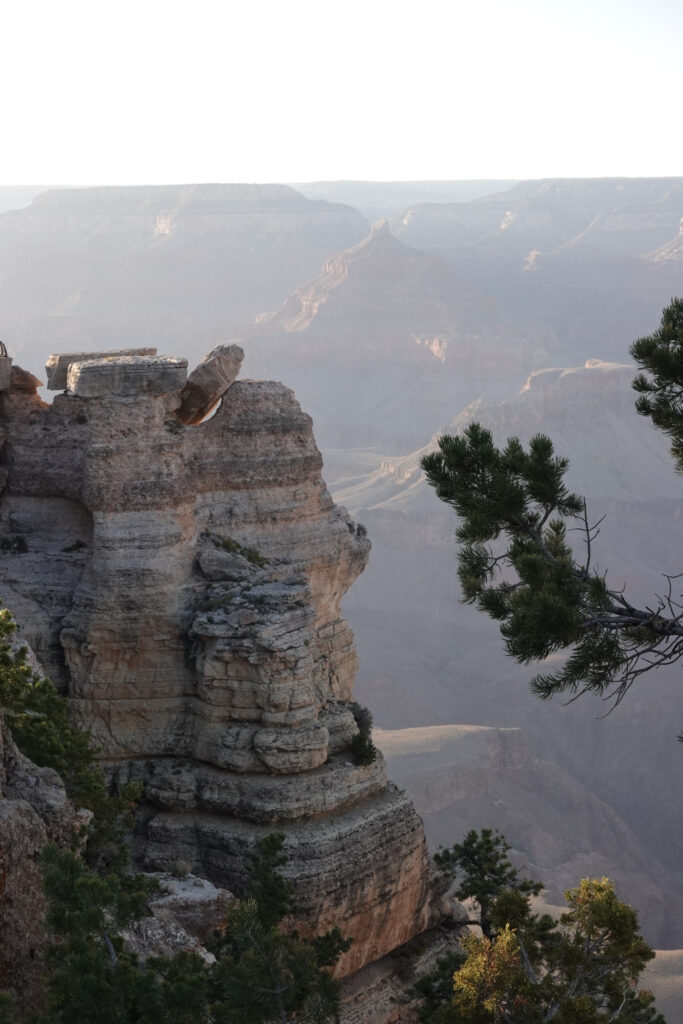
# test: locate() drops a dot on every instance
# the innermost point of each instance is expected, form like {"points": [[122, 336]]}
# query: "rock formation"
{"points": [[465, 776], [183, 585], [672, 250], [34, 810], [208, 382], [57, 366], [573, 253], [83, 268], [423, 339], [549, 213], [183, 915]]}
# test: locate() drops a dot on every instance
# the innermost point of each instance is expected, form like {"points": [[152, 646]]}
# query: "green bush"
{"points": [[235, 548], [363, 750], [39, 721]]}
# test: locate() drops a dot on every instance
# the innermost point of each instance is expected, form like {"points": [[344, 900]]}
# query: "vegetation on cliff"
{"points": [[40, 725], [261, 973], [527, 968], [363, 750]]}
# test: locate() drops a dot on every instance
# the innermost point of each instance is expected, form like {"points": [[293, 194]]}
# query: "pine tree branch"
{"points": [[110, 949], [526, 962], [617, 1012]]}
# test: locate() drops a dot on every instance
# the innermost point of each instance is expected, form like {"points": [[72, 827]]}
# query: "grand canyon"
{"points": [[361, 321]]}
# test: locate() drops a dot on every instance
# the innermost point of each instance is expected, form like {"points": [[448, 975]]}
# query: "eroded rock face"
{"points": [[183, 585], [34, 810], [184, 914], [126, 377]]}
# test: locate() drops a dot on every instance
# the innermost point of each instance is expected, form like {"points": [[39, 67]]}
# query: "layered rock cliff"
{"points": [[424, 341], [183, 585], [573, 253], [34, 810], [86, 267]]}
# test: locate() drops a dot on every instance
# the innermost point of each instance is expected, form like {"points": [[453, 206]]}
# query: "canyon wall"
{"points": [[182, 584], [87, 267], [34, 810]]}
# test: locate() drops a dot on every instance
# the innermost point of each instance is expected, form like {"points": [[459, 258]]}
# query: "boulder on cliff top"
{"points": [[208, 382], [126, 376]]}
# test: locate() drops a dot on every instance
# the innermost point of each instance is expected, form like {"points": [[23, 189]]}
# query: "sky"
{"points": [[151, 92]]}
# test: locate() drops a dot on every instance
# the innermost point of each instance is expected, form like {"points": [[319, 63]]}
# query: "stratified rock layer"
{"points": [[126, 377], [57, 366], [183, 584], [34, 810]]}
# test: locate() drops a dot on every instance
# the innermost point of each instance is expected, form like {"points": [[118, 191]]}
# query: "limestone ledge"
{"points": [[57, 366], [180, 727], [126, 376], [364, 868], [383, 992], [181, 785]]}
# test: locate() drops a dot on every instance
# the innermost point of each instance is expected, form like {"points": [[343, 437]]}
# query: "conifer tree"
{"points": [[263, 974], [585, 972], [90, 978], [515, 561], [526, 968], [39, 721], [661, 387], [485, 874]]}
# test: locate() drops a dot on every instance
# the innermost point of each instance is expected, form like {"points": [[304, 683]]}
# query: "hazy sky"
{"points": [[98, 92]]}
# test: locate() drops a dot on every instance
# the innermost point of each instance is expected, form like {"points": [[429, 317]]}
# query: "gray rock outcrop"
{"points": [[182, 916], [34, 810], [208, 382], [126, 376], [182, 584], [57, 365]]}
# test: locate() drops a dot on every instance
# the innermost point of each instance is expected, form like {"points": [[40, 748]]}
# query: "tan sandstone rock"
{"points": [[208, 382], [57, 366], [183, 585], [34, 810], [126, 376]]}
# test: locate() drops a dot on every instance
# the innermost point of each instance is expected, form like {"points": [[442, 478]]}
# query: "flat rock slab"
{"points": [[126, 376], [194, 903], [208, 382], [57, 366]]}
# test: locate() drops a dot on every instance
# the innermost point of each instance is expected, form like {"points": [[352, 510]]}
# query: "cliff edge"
{"points": [[182, 583]]}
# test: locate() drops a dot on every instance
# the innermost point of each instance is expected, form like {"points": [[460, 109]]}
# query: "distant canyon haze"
{"points": [[396, 311]]}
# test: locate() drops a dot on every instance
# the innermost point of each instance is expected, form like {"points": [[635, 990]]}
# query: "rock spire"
{"points": [[182, 583]]}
